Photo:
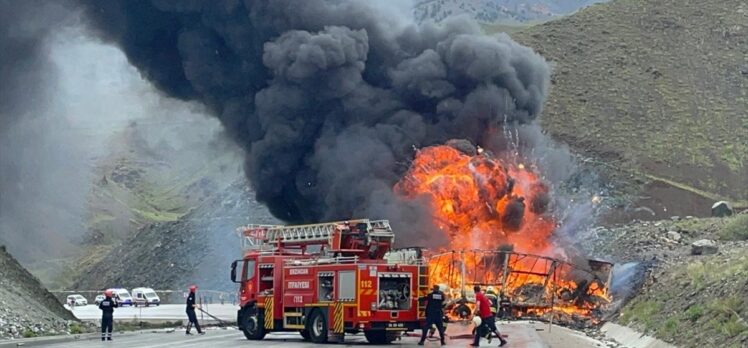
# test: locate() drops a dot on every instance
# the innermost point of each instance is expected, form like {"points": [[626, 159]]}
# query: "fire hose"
{"points": [[221, 321]]}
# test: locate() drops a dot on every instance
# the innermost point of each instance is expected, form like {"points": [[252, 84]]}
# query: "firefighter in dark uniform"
{"points": [[107, 306], [191, 312], [434, 313], [505, 307]]}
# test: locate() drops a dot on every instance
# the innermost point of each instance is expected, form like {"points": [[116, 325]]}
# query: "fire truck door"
{"points": [[346, 298]]}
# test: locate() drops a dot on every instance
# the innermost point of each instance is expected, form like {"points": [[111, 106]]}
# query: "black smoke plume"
{"points": [[24, 63], [328, 98]]}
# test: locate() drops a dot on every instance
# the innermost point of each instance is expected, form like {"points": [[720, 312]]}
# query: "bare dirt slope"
{"points": [[26, 307], [656, 90]]}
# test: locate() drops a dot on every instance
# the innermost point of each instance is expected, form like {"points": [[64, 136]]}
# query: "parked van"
{"points": [[122, 296], [145, 297]]}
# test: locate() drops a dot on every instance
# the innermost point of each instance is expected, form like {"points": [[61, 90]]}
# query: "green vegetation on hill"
{"points": [[658, 87], [703, 303], [140, 183]]}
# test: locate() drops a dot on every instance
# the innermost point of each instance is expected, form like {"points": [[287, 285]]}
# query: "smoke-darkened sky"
{"points": [[328, 98]]}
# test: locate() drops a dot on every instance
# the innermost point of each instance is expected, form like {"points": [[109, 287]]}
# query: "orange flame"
{"points": [[479, 202], [482, 203]]}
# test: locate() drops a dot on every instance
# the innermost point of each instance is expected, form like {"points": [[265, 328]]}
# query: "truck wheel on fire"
{"points": [[326, 280]]}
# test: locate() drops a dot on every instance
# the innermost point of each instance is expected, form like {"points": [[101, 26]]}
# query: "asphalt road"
{"points": [[520, 335]]}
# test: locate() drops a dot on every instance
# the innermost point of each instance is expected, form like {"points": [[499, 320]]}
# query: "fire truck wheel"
{"points": [[253, 324], [380, 336], [317, 327], [305, 335]]}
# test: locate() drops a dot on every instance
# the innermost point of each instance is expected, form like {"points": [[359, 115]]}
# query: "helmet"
{"points": [[490, 288], [476, 320], [108, 293], [193, 288]]}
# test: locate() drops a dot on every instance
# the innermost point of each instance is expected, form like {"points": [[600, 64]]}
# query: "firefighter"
{"points": [[191, 312], [434, 313], [494, 302], [488, 320], [107, 306], [505, 306], [493, 299]]}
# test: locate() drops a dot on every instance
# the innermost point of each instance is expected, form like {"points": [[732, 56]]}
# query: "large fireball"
{"points": [[486, 207], [480, 202]]}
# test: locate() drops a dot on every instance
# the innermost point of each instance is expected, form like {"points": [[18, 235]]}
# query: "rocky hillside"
{"points": [[26, 307], [197, 248], [689, 296], [154, 172], [656, 91], [497, 11]]}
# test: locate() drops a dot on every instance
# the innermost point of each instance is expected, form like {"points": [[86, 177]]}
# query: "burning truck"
{"points": [[495, 214]]}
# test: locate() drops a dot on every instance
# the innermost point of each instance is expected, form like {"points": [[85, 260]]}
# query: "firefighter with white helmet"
{"points": [[493, 298], [487, 319], [107, 306]]}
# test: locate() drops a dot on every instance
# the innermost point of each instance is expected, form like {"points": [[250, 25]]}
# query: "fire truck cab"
{"points": [[327, 280]]}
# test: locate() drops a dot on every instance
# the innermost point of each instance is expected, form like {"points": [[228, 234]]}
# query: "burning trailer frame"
{"points": [[527, 286]]}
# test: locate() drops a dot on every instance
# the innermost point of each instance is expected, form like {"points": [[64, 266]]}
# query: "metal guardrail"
{"points": [[166, 296]]}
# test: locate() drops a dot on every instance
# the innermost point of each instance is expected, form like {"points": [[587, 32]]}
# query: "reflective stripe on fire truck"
{"points": [[269, 313], [338, 326], [367, 292]]}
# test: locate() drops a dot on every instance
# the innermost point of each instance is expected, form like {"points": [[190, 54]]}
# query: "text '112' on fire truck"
{"points": [[326, 280]]}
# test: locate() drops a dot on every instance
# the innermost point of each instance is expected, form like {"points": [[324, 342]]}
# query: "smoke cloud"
{"points": [[24, 63], [64, 95], [328, 98]]}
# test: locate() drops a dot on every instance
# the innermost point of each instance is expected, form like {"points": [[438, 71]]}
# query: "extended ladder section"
{"points": [[271, 238]]}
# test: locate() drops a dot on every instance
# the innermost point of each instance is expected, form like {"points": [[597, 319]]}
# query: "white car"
{"points": [[145, 297], [98, 299], [77, 300]]}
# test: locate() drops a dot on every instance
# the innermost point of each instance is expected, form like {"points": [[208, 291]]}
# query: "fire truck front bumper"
{"points": [[397, 326]]}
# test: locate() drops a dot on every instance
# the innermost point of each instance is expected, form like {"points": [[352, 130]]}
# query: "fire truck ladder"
{"points": [[423, 288], [319, 233]]}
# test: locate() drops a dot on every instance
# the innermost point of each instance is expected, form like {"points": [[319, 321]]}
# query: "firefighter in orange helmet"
{"points": [[107, 306], [191, 312]]}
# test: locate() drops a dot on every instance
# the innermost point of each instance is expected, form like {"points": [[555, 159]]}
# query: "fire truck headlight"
{"points": [[373, 306]]}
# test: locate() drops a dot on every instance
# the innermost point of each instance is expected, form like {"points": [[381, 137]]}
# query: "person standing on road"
{"points": [[488, 320], [191, 316], [434, 313], [505, 306], [107, 306]]}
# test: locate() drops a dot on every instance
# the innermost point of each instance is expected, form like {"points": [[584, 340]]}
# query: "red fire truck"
{"points": [[326, 280]]}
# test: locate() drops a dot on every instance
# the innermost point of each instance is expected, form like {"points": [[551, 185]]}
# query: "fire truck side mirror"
{"points": [[233, 272]]}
